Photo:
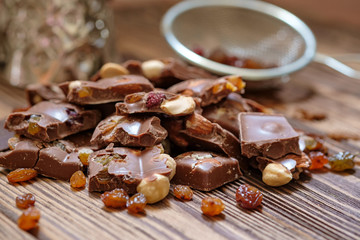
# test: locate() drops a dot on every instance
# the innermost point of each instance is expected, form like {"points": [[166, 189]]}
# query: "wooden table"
{"points": [[323, 206]]}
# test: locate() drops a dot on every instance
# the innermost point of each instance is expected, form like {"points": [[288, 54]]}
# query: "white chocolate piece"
{"points": [[155, 188], [152, 68], [109, 70], [276, 174], [181, 105]]}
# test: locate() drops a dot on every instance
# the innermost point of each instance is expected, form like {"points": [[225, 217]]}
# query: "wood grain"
{"points": [[325, 205]]}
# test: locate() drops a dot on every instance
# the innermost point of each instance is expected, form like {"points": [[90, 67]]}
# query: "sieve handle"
{"points": [[338, 65]]}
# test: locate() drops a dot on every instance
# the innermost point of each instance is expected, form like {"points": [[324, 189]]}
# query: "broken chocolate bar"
{"points": [[166, 72], [196, 132], [225, 112], [38, 92], [129, 131], [48, 121], [105, 90], [4, 136], [126, 168], [156, 102], [267, 135], [205, 171], [208, 90]]}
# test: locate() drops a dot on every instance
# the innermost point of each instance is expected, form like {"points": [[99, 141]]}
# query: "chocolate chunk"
{"points": [[225, 112], [166, 72], [48, 121], [125, 168], [205, 171], [156, 102], [57, 163], [105, 90], [4, 136], [294, 163], [208, 90], [267, 135], [24, 153], [129, 131], [38, 92], [196, 132]]}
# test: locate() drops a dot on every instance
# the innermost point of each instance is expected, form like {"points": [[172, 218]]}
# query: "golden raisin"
{"points": [[33, 127], [248, 196], [217, 88], [136, 203], [78, 180], [25, 201], [84, 92], [117, 198], [342, 161], [183, 192], [29, 219], [212, 206], [21, 175], [318, 160], [84, 154]]}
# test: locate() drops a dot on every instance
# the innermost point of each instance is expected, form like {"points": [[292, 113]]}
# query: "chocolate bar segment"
{"points": [[205, 171], [208, 90], [38, 92], [267, 135], [156, 102], [48, 121], [125, 168], [166, 71], [196, 132], [105, 90], [129, 131], [4, 136]]}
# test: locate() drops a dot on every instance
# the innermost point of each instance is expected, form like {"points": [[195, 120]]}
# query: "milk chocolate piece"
{"points": [[267, 135], [105, 90], [294, 163], [135, 131], [4, 136], [196, 132], [48, 121], [156, 102], [173, 72], [205, 171], [208, 90], [125, 167], [225, 112], [38, 92]]}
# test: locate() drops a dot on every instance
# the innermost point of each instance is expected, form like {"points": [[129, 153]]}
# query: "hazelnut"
{"points": [[109, 70], [276, 174], [152, 68], [154, 188], [180, 105], [170, 163]]}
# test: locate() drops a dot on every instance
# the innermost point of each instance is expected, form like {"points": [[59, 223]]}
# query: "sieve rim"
{"points": [[253, 5]]}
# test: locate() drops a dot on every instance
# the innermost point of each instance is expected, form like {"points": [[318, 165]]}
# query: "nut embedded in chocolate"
{"points": [[135, 131], [48, 121], [267, 135], [205, 171]]}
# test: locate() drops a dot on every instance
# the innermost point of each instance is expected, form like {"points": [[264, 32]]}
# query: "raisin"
{"points": [[342, 161], [29, 219], [318, 160], [25, 201], [78, 180], [183, 192], [248, 196], [212, 206], [198, 51], [21, 175], [117, 198], [84, 92], [154, 99], [74, 117], [34, 127], [136, 203], [311, 144], [84, 154]]}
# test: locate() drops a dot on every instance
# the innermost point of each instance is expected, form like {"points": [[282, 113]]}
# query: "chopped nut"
{"points": [[155, 188], [152, 68], [276, 174], [73, 85], [198, 125], [180, 105], [109, 70]]}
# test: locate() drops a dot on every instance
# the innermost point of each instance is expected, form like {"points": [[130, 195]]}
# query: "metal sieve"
{"points": [[248, 28]]}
